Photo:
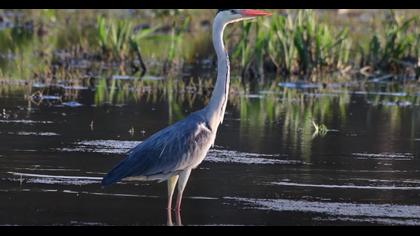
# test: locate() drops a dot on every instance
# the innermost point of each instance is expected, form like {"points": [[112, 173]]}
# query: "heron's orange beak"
{"points": [[251, 12]]}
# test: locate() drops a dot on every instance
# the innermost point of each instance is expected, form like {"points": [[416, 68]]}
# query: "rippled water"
{"points": [[267, 167]]}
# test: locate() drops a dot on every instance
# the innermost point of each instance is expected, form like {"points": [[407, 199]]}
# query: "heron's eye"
{"points": [[233, 11]]}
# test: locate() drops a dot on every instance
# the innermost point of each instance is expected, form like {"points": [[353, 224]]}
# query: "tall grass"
{"points": [[396, 48], [175, 39], [118, 41], [303, 44], [294, 44]]}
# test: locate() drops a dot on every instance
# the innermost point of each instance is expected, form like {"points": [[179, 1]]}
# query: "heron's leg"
{"points": [[183, 179], [178, 218], [171, 187]]}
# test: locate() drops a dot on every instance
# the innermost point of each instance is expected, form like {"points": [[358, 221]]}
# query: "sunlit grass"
{"points": [[305, 44]]}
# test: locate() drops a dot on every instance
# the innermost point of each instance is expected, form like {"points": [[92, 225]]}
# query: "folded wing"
{"points": [[170, 150]]}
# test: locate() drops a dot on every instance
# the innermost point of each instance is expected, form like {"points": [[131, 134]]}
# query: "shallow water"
{"points": [[267, 167]]}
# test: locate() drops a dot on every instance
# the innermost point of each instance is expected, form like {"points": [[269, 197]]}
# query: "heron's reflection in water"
{"points": [[177, 218]]}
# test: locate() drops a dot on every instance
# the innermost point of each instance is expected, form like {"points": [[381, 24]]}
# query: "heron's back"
{"points": [[180, 146]]}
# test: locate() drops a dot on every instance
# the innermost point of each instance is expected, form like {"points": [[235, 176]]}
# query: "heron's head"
{"points": [[234, 15]]}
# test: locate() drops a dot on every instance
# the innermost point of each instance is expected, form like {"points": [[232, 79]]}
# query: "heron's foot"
{"points": [[178, 218], [169, 217]]}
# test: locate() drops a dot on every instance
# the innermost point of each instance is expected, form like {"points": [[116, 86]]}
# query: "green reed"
{"points": [[118, 41], [396, 47], [295, 44], [303, 44]]}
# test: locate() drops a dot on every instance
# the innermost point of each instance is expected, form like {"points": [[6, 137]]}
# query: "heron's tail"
{"points": [[107, 180], [115, 175]]}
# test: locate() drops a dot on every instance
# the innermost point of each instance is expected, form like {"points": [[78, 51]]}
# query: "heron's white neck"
{"points": [[215, 110]]}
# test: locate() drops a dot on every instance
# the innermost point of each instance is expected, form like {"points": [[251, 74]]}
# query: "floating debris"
{"points": [[254, 96], [72, 104], [75, 87], [398, 103], [396, 94], [153, 78], [268, 92], [131, 131], [38, 98], [123, 77], [38, 85], [299, 85], [319, 95], [51, 97], [4, 114], [381, 79], [320, 130], [126, 77]]}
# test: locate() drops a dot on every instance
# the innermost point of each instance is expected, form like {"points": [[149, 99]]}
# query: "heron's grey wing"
{"points": [[166, 151]]}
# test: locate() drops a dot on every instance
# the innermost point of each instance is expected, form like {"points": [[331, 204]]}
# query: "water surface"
{"points": [[268, 167]]}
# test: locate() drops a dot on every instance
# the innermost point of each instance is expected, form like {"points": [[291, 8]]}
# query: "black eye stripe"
{"points": [[232, 11]]}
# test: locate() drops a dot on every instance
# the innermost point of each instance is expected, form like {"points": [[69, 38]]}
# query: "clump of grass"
{"points": [[320, 129], [298, 44], [253, 53], [302, 44], [119, 42], [318, 46], [243, 51], [175, 39], [396, 48], [114, 38]]}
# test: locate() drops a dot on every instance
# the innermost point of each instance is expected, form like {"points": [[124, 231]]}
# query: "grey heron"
{"points": [[171, 153]]}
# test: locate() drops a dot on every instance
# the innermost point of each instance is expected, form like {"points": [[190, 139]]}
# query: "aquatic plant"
{"points": [[252, 54], [175, 39], [396, 48], [119, 41], [296, 44], [44, 45], [320, 129]]}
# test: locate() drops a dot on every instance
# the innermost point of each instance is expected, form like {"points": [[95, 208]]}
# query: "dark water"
{"points": [[267, 168]]}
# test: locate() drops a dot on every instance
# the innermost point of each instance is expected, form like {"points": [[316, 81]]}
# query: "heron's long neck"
{"points": [[215, 110]]}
